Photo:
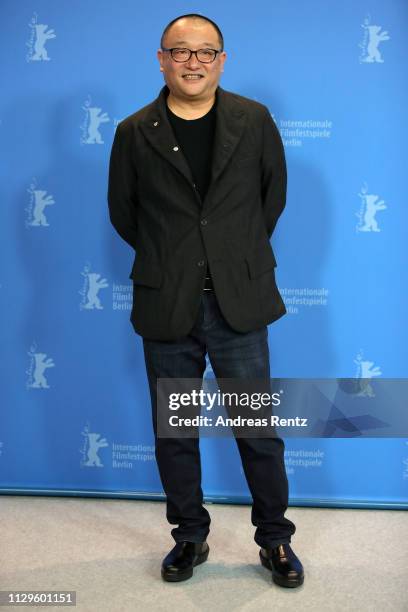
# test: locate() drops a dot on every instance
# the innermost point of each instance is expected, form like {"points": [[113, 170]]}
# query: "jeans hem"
{"points": [[195, 540], [273, 543]]}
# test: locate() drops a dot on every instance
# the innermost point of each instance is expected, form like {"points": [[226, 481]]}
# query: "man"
{"points": [[197, 182]]}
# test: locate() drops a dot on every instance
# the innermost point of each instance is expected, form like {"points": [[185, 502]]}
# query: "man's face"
{"points": [[193, 35]]}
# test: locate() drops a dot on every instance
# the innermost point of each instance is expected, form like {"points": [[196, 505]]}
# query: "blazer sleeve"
{"points": [[122, 188], [274, 177]]}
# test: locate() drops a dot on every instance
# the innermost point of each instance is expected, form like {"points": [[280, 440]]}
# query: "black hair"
{"points": [[194, 16]]}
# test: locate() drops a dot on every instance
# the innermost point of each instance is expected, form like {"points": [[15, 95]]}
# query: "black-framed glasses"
{"points": [[181, 54]]}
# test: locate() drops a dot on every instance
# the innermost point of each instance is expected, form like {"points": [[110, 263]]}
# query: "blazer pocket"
{"points": [[246, 161], [145, 272], [260, 260]]}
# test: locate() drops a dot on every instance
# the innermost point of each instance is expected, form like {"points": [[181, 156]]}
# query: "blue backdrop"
{"points": [[75, 414]]}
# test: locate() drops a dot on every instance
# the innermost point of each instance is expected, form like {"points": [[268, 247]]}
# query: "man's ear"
{"points": [[160, 58], [224, 56]]}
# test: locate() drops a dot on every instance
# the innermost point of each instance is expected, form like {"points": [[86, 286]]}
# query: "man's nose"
{"points": [[193, 62]]}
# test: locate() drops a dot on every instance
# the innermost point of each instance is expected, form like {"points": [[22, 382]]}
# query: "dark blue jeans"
{"points": [[232, 355]]}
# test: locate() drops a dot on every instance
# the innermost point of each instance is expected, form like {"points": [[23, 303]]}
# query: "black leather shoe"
{"points": [[287, 570], [179, 563]]}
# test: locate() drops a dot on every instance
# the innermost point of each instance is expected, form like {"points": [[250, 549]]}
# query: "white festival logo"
{"points": [[36, 44], [370, 205], [405, 463], [92, 284], [366, 370], [373, 36], [405, 472], [39, 199], [92, 443], [39, 362], [90, 126]]}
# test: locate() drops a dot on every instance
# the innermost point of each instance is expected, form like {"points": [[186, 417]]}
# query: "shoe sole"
{"points": [[285, 582], [180, 576]]}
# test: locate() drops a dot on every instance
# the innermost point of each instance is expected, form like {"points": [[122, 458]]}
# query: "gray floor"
{"points": [[109, 552]]}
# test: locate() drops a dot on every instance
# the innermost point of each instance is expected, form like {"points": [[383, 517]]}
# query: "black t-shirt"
{"points": [[195, 138]]}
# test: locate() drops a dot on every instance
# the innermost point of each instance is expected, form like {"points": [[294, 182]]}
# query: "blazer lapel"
{"points": [[230, 124], [158, 131], [229, 128]]}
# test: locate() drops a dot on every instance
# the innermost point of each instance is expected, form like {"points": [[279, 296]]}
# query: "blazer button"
{"points": [[156, 123], [203, 221], [175, 148], [201, 262]]}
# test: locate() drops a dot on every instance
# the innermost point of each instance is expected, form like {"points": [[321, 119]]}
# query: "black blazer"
{"points": [[155, 208]]}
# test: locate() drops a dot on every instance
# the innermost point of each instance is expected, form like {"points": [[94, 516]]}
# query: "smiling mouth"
{"points": [[192, 77]]}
